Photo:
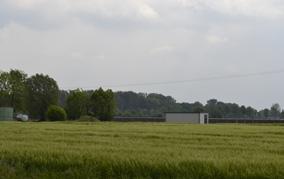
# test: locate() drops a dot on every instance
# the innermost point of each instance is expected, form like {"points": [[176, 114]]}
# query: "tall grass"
{"points": [[140, 150]]}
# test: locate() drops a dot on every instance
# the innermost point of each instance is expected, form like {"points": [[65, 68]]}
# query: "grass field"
{"points": [[140, 150]]}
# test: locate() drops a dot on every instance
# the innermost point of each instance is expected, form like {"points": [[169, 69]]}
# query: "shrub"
{"points": [[88, 119], [56, 113]]}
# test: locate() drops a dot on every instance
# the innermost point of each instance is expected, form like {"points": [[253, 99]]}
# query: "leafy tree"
{"points": [[212, 102], [141, 104], [275, 110], [186, 107], [197, 107], [130, 100], [213, 109], [13, 89], [282, 115], [42, 92], [243, 110], [56, 113], [18, 89], [5, 89], [62, 98], [264, 113], [76, 104], [251, 112], [103, 104]]}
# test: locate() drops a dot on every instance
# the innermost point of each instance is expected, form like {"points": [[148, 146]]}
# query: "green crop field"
{"points": [[140, 150]]}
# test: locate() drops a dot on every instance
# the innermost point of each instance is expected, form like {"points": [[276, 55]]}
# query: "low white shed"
{"points": [[195, 118]]}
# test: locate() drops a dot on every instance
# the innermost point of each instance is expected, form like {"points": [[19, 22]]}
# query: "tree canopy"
{"points": [[102, 104], [42, 91], [13, 89], [77, 104], [33, 95]]}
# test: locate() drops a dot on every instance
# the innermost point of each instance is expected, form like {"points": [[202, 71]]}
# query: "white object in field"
{"points": [[195, 118], [22, 117]]}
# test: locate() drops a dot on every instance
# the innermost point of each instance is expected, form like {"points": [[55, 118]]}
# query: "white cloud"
{"points": [[213, 39], [148, 12], [102, 8], [254, 8], [133, 12], [132, 41], [27, 4], [162, 49]]}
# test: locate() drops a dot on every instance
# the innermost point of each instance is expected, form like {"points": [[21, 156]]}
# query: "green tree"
{"points": [[213, 109], [282, 114], [76, 104], [102, 104], [198, 107], [5, 89], [266, 113], [42, 92], [18, 90], [275, 110], [251, 112], [13, 89], [243, 111]]}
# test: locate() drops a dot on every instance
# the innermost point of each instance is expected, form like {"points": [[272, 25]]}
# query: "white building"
{"points": [[195, 118]]}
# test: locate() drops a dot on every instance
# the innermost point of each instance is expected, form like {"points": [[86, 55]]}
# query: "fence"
{"points": [[138, 119], [237, 120], [211, 120]]}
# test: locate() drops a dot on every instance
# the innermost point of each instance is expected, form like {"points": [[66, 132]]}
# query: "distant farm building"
{"points": [[195, 118], [6, 114]]}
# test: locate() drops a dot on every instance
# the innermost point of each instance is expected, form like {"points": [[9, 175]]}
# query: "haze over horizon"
{"points": [[91, 43]]}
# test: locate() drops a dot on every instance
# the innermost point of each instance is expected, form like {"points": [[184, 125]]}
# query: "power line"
{"points": [[235, 76]]}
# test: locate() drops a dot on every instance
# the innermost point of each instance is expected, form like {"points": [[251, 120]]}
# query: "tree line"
{"points": [[142, 104], [34, 95], [38, 96]]}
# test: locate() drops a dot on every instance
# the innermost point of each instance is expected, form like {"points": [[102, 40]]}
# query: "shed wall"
{"points": [[183, 117]]}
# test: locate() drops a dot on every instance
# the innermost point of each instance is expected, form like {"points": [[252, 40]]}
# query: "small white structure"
{"points": [[195, 118], [22, 117]]}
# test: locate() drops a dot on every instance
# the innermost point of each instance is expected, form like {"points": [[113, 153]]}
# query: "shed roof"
{"points": [[186, 112]]}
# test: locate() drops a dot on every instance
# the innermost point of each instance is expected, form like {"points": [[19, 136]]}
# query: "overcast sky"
{"points": [[91, 43]]}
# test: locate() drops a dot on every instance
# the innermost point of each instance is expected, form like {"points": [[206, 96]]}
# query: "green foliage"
{"points": [[35, 94], [218, 109], [42, 92], [102, 104], [140, 150], [18, 84], [56, 113], [5, 90], [282, 115], [13, 89], [142, 104], [87, 118], [266, 113], [76, 104], [197, 107], [275, 110], [62, 98]]}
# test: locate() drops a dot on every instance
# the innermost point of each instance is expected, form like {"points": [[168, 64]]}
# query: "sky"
{"points": [[114, 43]]}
